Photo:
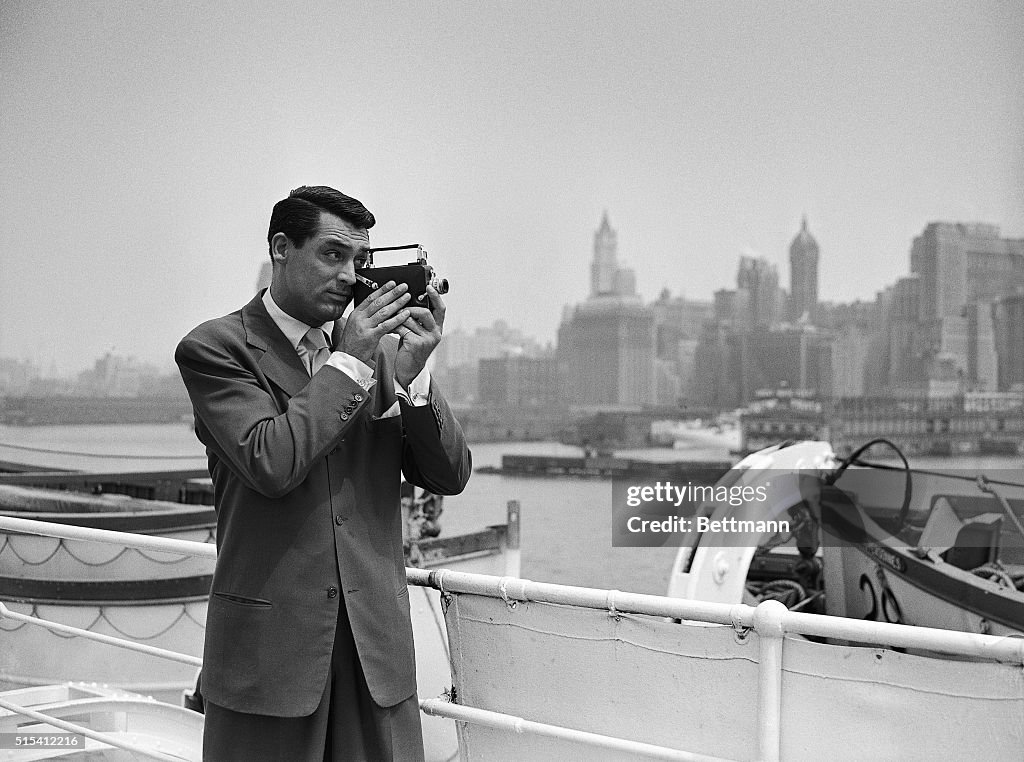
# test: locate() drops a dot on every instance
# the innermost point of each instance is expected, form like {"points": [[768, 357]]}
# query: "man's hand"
{"points": [[419, 334], [380, 313]]}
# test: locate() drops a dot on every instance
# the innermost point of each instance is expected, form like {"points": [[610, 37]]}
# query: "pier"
{"points": [[608, 466], [918, 426]]}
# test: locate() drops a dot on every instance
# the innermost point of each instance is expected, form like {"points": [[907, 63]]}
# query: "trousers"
{"points": [[347, 725]]}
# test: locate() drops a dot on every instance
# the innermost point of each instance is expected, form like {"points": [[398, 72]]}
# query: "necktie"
{"points": [[313, 350]]}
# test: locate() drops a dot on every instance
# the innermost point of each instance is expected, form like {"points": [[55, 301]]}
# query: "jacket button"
{"points": [[344, 416], [357, 397], [332, 592], [339, 520]]}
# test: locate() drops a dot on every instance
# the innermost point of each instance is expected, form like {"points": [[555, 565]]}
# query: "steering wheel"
{"points": [[904, 513]]}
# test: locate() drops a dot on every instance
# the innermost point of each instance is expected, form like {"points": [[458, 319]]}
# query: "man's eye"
{"points": [[360, 262]]}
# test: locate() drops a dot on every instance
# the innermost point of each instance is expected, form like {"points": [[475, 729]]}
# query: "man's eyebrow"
{"points": [[341, 243]]}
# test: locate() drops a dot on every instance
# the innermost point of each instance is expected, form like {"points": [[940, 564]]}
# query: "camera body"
{"points": [[416, 275]]}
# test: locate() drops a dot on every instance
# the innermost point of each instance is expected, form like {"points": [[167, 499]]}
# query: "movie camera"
{"points": [[416, 275]]}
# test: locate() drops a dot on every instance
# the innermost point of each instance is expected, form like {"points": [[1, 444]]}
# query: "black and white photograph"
{"points": [[511, 380]]}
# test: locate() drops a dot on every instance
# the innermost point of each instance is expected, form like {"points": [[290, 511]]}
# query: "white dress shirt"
{"points": [[294, 330]]}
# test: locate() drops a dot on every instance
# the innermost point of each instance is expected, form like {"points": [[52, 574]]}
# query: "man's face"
{"points": [[314, 282]]}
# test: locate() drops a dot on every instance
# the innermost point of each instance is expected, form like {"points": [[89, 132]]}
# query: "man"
{"points": [[309, 652]]}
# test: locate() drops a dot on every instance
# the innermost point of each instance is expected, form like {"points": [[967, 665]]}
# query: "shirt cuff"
{"points": [[355, 369], [419, 389]]}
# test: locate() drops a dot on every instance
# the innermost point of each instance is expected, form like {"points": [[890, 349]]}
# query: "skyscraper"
{"points": [[604, 264], [606, 345], [1010, 339], [803, 275], [964, 269], [606, 277], [757, 288], [606, 353], [963, 264]]}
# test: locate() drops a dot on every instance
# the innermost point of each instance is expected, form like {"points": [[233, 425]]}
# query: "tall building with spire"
{"points": [[604, 264], [606, 345], [803, 275], [606, 277]]}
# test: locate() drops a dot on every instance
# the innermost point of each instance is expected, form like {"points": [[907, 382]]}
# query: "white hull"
{"points": [[35, 656], [53, 558], [862, 589], [32, 656]]}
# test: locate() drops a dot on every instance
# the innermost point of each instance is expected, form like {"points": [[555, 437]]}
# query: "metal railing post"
{"points": [[513, 558], [769, 623]]}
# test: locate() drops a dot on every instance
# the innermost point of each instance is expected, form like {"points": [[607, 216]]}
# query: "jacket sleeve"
{"points": [[435, 455], [238, 418]]}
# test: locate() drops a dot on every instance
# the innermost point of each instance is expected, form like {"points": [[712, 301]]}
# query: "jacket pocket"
{"points": [[243, 600]]}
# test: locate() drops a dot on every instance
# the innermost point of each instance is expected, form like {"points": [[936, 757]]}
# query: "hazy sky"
{"points": [[142, 146]]}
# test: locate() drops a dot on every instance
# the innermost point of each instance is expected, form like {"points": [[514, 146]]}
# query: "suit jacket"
{"points": [[306, 482]]}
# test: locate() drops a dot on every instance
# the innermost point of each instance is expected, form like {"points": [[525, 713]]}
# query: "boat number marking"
{"points": [[889, 608], [885, 556]]}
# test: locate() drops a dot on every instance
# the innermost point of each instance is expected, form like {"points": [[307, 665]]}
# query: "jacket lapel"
{"points": [[279, 362]]}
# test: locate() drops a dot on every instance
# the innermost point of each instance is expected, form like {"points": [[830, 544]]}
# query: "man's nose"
{"points": [[347, 273]]}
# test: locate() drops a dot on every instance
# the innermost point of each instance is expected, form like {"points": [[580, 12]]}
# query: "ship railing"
{"points": [[125, 539], [771, 620]]}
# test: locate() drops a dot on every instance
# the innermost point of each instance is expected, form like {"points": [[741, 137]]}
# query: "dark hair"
{"points": [[298, 216]]}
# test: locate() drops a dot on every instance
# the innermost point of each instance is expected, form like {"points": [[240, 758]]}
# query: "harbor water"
{"points": [[566, 521]]}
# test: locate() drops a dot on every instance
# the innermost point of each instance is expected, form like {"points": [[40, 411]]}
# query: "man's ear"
{"points": [[279, 248]]}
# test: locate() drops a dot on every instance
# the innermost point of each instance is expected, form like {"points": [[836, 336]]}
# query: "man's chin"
{"points": [[335, 308]]}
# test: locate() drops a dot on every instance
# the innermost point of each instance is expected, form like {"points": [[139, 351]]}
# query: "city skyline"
{"points": [[945, 331], [743, 260], [147, 146]]}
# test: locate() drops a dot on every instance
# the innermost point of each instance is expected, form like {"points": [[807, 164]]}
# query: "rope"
{"points": [[610, 603], [996, 573], [788, 592], [503, 591], [439, 623], [100, 455]]}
